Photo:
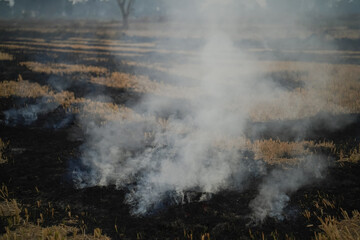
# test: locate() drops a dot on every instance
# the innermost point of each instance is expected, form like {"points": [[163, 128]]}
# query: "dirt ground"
{"points": [[39, 155]]}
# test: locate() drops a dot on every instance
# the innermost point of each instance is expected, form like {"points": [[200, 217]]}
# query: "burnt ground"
{"points": [[40, 158]]}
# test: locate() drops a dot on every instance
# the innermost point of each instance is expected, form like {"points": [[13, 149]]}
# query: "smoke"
{"points": [[10, 2], [29, 114], [46, 111], [161, 166], [162, 158], [275, 190], [159, 162]]}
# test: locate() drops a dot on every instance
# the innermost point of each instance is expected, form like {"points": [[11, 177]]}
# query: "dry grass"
{"points": [[107, 111], [9, 208], [275, 152], [333, 88], [3, 147], [352, 156], [61, 68], [30, 39], [154, 66], [119, 80], [23, 229], [328, 87], [95, 59], [186, 69], [58, 232], [87, 107], [346, 229], [344, 32], [26, 89], [128, 47], [279, 152], [22, 88], [5, 57], [143, 84], [105, 42], [52, 29], [338, 93], [62, 50], [108, 46]]}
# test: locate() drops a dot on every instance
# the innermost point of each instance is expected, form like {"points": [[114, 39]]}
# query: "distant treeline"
{"points": [[92, 9], [162, 9]]}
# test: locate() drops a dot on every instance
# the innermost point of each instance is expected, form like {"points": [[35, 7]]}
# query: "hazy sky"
{"points": [[109, 9]]}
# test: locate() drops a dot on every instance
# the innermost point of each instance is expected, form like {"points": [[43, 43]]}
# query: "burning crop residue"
{"points": [[29, 114], [156, 161], [228, 119], [275, 190]]}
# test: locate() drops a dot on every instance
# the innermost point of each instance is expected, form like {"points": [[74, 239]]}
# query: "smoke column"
{"points": [[159, 163], [275, 190]]}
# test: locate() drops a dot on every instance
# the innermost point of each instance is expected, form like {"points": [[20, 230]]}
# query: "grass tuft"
{"points": [[3, 147], [346, 229]]}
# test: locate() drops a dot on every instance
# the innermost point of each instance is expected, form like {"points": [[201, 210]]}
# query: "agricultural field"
{"points": [[156, 133]]}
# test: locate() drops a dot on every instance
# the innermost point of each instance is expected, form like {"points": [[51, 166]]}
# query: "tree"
{"points": [[125, 7]]}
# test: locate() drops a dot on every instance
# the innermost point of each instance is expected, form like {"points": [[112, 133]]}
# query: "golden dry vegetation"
{"points": [[22, 88], [281, 152], [271, 151], [347, 228], [5, 57], [109, 46], [113, 48], [57, 232], [9, 208], [142, 84], [333, 88], [20, 47], [3, 147], [87, 107], [352, 156], [328, 87], [277, 152], [31, 231], [19, 227], [137, 83], [60, 68]]}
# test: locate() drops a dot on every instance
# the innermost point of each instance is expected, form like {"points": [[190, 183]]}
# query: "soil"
{"points": [[40, 159]]}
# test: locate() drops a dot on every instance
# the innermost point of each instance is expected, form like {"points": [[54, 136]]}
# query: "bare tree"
{"points": [[125, 7]]}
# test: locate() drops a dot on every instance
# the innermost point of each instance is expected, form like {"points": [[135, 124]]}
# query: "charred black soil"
{"points": [[39, 167], [40, 159]]}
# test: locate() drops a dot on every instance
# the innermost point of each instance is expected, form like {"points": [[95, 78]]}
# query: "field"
{"points": [[69, 87]]}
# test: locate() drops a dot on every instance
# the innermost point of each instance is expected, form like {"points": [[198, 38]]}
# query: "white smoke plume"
{"points": [[184, 155], [275, 190], [158, 163], [29, 114], [10, 2]]}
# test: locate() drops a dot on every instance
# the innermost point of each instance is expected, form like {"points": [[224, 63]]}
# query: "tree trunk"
{"points": [[125, 7], [125, 21]]}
